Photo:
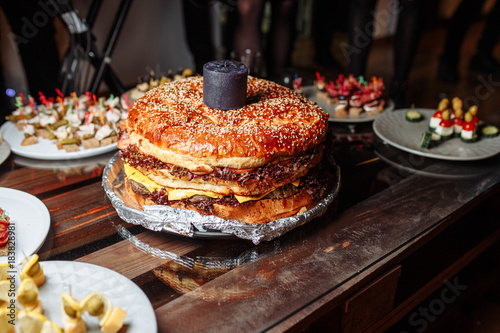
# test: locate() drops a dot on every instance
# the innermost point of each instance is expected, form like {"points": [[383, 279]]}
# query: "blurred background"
{"points": [[153, 38]]}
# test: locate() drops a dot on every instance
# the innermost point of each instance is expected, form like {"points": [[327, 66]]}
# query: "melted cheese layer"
{"points": [[179, 194]]}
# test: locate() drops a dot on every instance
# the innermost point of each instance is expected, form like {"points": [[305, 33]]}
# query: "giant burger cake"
{"points": [[225, 144]]}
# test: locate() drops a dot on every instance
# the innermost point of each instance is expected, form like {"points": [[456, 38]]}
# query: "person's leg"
{"points": [[197, 25], [405, 46], [322, 30], [484, 60], [34, 33], [361, 28], [281, 35], [248, 33], [6, 102], [460, 22]]}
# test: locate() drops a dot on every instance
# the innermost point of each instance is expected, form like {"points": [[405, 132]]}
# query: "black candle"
{"points": [[225, 84]]}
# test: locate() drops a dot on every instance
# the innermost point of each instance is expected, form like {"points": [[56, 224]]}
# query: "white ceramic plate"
{"points": [[85, 164], [395, 130], [4, 151], [31, 220], [310, 93], [85, 279], [45, 149]]}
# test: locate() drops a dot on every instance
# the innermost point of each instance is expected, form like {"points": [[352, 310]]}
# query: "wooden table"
{"points": [[400, 228]]}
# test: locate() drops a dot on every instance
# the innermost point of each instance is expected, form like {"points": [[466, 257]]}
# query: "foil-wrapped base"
{"points": [[193, 224]]}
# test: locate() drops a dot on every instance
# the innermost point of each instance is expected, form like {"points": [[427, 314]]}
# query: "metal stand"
{"points": [[83, 47]]}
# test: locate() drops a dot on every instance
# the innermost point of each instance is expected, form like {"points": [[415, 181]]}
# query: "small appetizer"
{"points": [[426, 139], [435, 120], [72, 314], [297, 84], [341, 110], [68, 121], [468, 134], [320, 85], [30, 322], [453, 120], [457, 126], [4, 235], [99, 305], [359, 94], [413, 116], [445, 127], [28, 297], [6, 321], [4, 293], [30, 267], [4, 269], [489, 131], [473, 111], [34, 322]]}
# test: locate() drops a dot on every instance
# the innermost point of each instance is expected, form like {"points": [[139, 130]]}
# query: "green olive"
{"points": [[95, 306], [468, 117], [69, 311], [27, 297]]}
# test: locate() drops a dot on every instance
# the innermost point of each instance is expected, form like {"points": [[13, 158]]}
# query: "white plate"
{"points": [[85, 164], [45, 149], [85, 279], [31, 220], [393, 128], [4, 151], [310, 93]]}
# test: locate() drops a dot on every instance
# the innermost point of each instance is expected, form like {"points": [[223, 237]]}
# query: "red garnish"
{"points": [[4, 225], [468, 126], [445, 123], [240, 171]]}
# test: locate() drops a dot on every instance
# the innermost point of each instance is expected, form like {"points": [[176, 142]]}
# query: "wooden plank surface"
{"points": [[147, 251], [344, 246], [39, 181], [325, 257], [78, 217]]}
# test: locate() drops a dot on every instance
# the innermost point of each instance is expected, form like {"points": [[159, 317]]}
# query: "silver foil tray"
{"points": [[193, 224]]}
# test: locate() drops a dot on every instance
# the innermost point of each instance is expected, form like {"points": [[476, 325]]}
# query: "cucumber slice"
{"points": [[426, 140], [471, 140], [413, 116], [445, 137], [489, 131]]}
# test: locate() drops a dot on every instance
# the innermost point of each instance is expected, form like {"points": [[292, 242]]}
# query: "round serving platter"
{"points": [[30, 221], [395, 130], [4, 151], [46, 149], [82, 279]]}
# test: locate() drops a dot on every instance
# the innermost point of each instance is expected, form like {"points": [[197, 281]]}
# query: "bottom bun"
{"points": [[251, 212]]}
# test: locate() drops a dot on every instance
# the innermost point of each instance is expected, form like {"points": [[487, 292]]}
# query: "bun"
{"points": [[172, 124]]}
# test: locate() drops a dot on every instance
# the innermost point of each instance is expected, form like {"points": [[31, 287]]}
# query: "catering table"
{"points": [[401, 228]]}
